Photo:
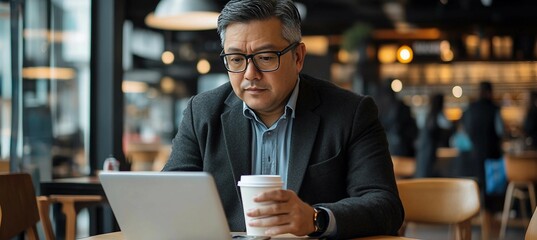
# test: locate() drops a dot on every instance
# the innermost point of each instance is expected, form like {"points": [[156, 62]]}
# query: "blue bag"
{"points": [[495, 176]]}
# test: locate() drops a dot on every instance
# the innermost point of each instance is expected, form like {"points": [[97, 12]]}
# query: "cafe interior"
{"points": [[83, 81]]}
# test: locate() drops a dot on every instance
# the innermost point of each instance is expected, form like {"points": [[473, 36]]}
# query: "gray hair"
{"points": [[244, 11]]}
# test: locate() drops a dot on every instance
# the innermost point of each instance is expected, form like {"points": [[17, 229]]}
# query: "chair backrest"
{"points": [[18, 206], [521, 168], [439, 200], [531, 233], [4, 166]]}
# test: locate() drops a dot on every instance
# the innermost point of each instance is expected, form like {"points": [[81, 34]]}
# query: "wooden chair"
{"points": [[521, 174], [71, 204], [403, 167], [20, 209], [531, 232], [453, 201]]}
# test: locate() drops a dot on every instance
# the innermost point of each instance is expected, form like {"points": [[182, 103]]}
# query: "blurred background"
{"points": [[83, 80]]}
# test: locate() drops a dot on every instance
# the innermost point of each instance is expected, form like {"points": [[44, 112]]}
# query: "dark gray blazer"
{"points": [[339, 155]]}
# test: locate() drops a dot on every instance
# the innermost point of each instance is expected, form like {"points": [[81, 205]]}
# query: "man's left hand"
{"points": [[284, 213]]}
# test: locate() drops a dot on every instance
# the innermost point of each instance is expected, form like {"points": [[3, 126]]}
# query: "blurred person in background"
{"points": [[431, 136], [483, 123], [530, 122], [398, 122], [461, 141]]}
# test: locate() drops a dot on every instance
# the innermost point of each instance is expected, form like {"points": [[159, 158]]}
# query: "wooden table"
{"points": [[101, 218], [119, 236], [142, 155], [89, 185]]}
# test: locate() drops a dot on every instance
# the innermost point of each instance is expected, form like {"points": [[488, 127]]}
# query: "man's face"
{"points": [[265, 92]]}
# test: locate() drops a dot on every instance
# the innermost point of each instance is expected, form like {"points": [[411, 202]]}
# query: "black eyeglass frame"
{"points": [[251, 56]]}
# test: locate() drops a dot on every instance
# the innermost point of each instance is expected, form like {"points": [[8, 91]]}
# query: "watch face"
{"points": [[322, 220]]}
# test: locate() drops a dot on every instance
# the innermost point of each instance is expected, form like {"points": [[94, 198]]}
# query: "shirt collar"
{"points": [[289, 107]]}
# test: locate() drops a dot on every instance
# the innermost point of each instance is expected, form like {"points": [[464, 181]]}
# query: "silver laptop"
{"points": [[166, 205]]}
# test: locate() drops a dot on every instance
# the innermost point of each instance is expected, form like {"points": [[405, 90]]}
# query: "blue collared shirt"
{"points": [[271, 147]]}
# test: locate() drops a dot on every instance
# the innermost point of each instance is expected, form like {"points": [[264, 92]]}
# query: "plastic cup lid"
{"points": [[260, 181]]}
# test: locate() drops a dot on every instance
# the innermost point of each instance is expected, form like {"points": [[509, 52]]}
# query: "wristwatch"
{"points": [[320, 221]]}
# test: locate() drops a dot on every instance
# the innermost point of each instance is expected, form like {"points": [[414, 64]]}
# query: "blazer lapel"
{"points": [[305, 127], [237, 141]]}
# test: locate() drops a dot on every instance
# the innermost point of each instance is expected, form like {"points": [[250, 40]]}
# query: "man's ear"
{"points": [[300, 54]]}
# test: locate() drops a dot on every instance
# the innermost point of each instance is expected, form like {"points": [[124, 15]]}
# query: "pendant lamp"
{"points": [[186, 15]]}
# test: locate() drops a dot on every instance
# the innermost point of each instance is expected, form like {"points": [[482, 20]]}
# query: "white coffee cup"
{"points": [[251, 186]]}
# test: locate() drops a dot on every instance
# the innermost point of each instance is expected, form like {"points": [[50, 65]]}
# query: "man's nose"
{"points": [[251, 71]]}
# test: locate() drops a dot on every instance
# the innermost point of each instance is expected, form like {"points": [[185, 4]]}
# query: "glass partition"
{"points": [[54, 98], [5, 86]]}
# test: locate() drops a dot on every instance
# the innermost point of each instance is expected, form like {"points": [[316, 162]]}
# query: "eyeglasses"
{"points": [[267, 61]]}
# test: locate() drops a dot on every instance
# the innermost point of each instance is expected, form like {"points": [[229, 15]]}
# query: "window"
{"points": [[54, 88]]}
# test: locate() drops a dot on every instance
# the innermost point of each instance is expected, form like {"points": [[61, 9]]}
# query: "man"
{"points": [[326, 143]]}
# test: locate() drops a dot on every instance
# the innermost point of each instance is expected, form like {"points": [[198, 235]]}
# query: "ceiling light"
{"points": [[183, 15]]}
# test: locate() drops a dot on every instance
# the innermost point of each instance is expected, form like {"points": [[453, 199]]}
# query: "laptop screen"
{"points": [[166, 205]]}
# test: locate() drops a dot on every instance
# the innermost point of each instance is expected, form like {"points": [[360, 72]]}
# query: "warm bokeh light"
{"points": [[343, 56], [316, 45], [203, 66], [405, 54], [484, 48], [397, 85], [167, 84], [446, 55], [167, 57], [48, 73], [134, 87], [444, 45], [502, 46], [453, 113], [457, 91], [387, 53], [347, 57], [471, 42]]}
